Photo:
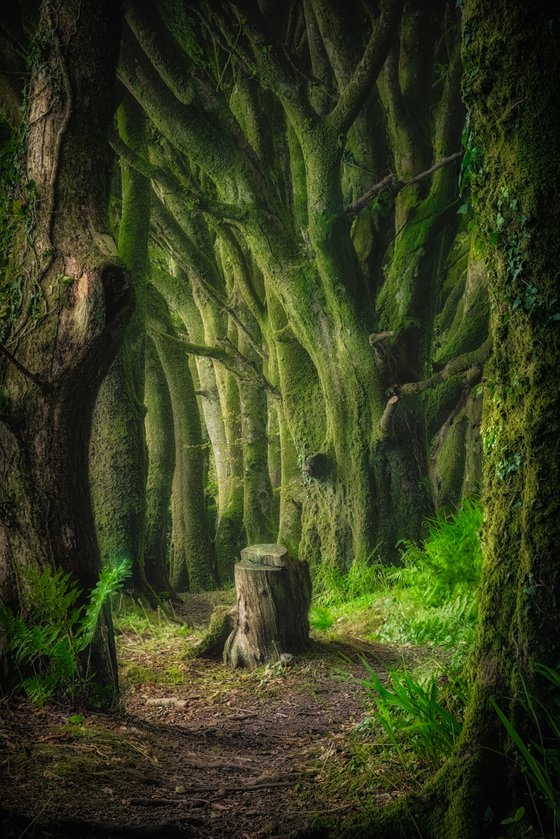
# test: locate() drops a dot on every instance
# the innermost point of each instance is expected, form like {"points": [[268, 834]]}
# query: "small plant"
{"points": [[332, 587], [49, 643], [412, 716], [448, 565], [320, 618]]}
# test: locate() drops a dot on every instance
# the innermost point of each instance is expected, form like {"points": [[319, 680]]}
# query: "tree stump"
{"points": [[273, 598]]}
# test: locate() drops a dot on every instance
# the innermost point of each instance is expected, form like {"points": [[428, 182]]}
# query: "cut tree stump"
{"points": [[273, 598]]}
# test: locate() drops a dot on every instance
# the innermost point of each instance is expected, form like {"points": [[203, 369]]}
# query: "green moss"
{"points": [[211, 645], [468, 330], [192, 553], [450, 463], [439, 402]]}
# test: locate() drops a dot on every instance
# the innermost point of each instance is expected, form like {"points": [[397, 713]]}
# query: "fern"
{"points": [[48, 645]]}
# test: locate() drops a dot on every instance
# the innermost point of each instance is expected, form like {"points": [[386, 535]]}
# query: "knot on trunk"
{"points": [[316, 466]]}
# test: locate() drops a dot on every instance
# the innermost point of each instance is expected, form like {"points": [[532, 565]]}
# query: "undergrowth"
{"points": [[47, 645], [430, 600], [539, 758]]}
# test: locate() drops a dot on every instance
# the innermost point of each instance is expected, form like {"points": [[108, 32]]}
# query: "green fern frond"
{"points": [[110, 581]]}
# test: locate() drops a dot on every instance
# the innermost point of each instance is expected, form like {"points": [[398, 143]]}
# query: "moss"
{"points": [[450, 463], [192, 553], [468, 330], [118, 454], [211, 645], [439, 402], [161, 450]]}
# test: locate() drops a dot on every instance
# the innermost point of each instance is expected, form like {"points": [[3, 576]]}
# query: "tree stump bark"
{"points": [[273, 598]]}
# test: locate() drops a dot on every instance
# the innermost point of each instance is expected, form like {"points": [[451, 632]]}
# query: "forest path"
{"points": [[216, 753]]}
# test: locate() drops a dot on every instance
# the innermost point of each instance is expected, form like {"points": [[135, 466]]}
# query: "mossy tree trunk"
{"points": [[161, 466], [118, 454], [75, 303], [511, 87], [274, 165], [192, 563]]}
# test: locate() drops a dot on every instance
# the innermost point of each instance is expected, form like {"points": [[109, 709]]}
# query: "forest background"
{"points": [[255, 259]]}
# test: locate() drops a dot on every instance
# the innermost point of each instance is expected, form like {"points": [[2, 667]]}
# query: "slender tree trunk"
{"points": [[77, 301], [192, 563], [118, 447], [161, 460]]}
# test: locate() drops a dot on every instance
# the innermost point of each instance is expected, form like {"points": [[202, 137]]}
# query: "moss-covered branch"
{"points": [[391, 184], [233, 360], [354, 95]]}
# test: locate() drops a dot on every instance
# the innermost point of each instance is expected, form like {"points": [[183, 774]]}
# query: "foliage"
{"points": [[412, 712], [320, 618], [448, 565], [332, 587], [48, 644], [430, 599], [540, 759]]}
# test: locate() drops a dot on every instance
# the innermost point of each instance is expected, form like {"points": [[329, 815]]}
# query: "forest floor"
{"points": [[200, 750]]}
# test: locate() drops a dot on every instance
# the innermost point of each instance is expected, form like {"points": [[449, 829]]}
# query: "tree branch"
{"points": [[365, 75], [195, 264], [274, 66], [233, 361], [387, 416], [193, 201], [469, 363], [393, 185]]}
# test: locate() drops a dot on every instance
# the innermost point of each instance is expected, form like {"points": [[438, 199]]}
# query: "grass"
{"points": [[539, 758], [429, 601]]}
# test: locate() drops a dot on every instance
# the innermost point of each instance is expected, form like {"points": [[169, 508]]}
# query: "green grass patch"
{"points": [[431, 599]]}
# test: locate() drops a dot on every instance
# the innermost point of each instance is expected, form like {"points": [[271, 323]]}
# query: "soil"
{"points": [[213, 753]]}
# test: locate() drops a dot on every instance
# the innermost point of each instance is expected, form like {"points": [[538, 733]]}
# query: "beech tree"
{"points": [[513, 145], [337, 297], [66, 300]]}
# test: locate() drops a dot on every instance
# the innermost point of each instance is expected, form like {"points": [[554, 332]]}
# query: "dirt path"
{"points": [[219, 754]]}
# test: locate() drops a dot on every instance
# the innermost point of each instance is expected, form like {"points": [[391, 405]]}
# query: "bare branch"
{"points": [[392, 184]]}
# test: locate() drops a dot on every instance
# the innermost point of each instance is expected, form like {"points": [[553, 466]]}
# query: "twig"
{"points": [[392, 183]]}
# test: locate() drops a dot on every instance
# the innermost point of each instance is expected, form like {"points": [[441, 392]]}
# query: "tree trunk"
{"points": [[273, 598], [118, 454], [161, 465], [192, 563], [507, 48], [76, 303]]}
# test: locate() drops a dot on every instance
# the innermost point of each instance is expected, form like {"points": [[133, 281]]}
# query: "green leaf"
{"points": [[517, 816]]}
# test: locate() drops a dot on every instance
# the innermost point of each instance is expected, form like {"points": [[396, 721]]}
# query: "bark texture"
{"points": [[511, 87], [75, 302], [273, 598]]}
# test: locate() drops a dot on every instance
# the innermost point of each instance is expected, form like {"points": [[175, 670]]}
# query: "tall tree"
{"points": [[118, 454], [268, 117], [511, 86], [73, 303]]}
